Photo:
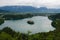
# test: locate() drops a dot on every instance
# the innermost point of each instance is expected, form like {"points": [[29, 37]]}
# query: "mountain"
{"points": [[18, 8], [29, 9]]}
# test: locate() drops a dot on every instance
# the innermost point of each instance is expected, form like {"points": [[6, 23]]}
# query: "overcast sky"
{"points": [[34, 3]]}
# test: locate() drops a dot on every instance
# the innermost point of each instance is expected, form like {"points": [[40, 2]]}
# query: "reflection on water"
{"points": [[41, 24]]}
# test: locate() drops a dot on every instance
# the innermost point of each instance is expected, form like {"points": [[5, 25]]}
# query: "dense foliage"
{"points": [[1, 21], [54, 17], [17, 16]]}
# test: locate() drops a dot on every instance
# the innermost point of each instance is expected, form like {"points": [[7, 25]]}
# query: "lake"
{"points": [[41, 24]]}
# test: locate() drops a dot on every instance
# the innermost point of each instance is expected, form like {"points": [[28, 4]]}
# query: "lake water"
{"points": [[41, 24]]}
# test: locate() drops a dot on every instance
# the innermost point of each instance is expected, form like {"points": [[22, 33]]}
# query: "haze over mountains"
{"points": [[29, 9]]}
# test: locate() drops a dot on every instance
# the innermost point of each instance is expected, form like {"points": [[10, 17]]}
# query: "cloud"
{"points": [[35, 3]]}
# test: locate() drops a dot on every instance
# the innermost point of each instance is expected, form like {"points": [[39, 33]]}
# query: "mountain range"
{"points": [[29, 9]]}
